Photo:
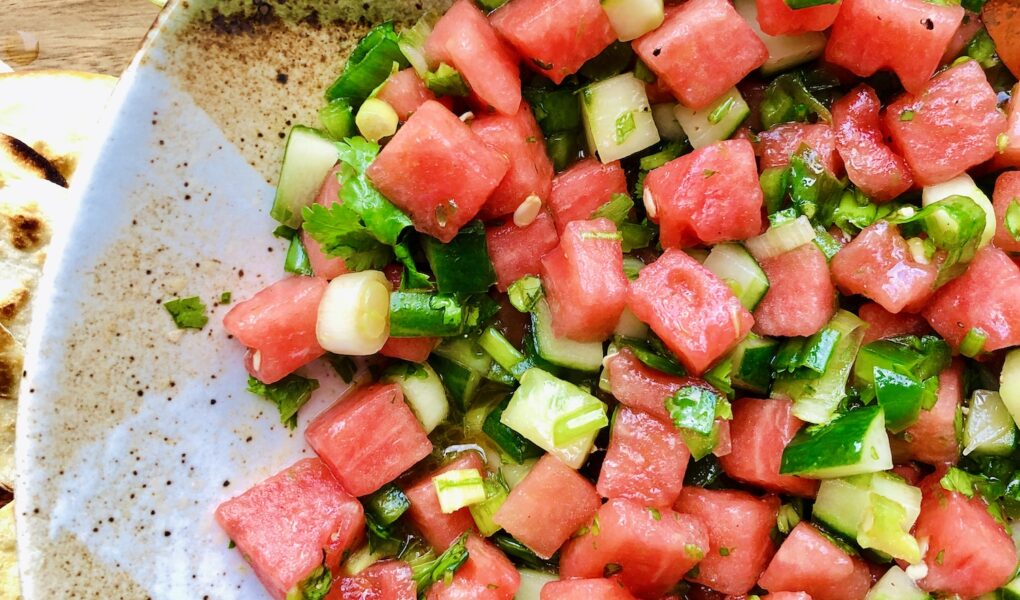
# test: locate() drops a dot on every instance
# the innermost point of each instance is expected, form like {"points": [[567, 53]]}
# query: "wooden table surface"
{"points": [[87, 35]]}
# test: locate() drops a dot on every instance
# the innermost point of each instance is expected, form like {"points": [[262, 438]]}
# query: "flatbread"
{"points": [[54, 112], [10, 585], [19, 161]]}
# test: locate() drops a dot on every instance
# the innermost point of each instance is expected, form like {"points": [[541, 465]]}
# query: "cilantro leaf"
{"points": [[289, 395], [316, 586], [413, 278], [187, 313], [616, 210], [384, 220], [226, 297], [343, 365], [341, 232], [693, 407], [957, 480], [440, 569]]}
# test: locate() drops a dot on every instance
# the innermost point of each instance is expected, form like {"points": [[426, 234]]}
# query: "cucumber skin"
{"points": [[461, 266], [837, 445], [288, 202]]}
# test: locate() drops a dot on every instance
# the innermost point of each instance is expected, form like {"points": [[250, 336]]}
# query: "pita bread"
{"points": [[10, 586], [19, 161], [34, 108]]}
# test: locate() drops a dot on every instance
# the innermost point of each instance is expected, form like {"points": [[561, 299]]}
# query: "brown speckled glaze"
{"points": [[130, 431]]}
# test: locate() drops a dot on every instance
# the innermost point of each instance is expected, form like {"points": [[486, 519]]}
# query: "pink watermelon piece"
{"points": [[585, 589], [1007, 192], [776, 18], [646, 460], [884, 324], [416, 349], [809, 562], [870, 163], [405, 92], [322, 264], [486, 575], [518, 251], [440, 529], [801, 298], [782, 141], [584, 188], [385, 580], [932, 438]]}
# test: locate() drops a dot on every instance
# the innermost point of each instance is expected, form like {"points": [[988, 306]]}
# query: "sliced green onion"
{"points": [[525, 293], [973, 342], [774, 183], [411, 43], [446, 81], [719, 112], [625, 125], [781, 238], [503, 352], [616, 209], [376, 120], [459, 488], [297, 258], [826, 243], [369, 66], [578, 424], [337, 118], [496, 492]]}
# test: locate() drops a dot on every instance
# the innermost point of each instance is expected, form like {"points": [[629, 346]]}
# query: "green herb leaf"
{"points": [[297, 258], [957, 480], [225, 298], [289, 395], [341, 232], [693, 407], [788, 99], [625, 125], [187, 313], [446, 81], [343, 365], [907, 115], [369, 65], [525, 293], [284, 232], [316, 586], [384, 220], [444, 566], [413, 279], [616, 210]]}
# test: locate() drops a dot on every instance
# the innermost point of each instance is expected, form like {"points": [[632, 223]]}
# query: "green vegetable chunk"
{"points": [[852, 444], [461, 266], [388, 504], [441, 568], [446, 81], [371, 63], [289, 395], [187, 313]]}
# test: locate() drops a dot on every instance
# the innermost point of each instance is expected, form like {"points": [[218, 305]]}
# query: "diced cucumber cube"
{"points": [[423, 392], [852, 444], [540, 403], [532, 582], [841, 504], [963, 185], [785, 51], [617, 117], [896, 585], [308, 158], [560, 351], [665, 121], [1009, 384], [735, 266], [630, 326], [632, 19], [989, 429], [715, 122], [752, 364], [882, 530]]}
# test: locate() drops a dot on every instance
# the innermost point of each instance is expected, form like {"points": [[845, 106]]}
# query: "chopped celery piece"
{"points": [[371, 63], [539, 403], [496, 491], [388, 504], [423, 391], [532, 582], [560, 351], [852, 444], [617, 117], [525, 293], [963, 185], [307, 159], [1009, 384], [735, 266], [337, 118], [459, 488], [816, 397], [896, 585], [632, 19], [785, 51], [700, 444], [715, 122], [989, 429]]}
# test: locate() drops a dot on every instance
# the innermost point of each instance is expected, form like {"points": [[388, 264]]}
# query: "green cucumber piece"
{"points": [[461, 382], [816, 397], [752, 364], [963, 185], [371, 63], [540, 403], [841, 504], [1009, 384], [897, 585], [715, 122], [617, 117], [308, 158], [462, 266], [513, 444], [560, 351], [532, 582], [496, 492], [388, 504], [785, 51], [900, 395], [1010, 591], [423, 391], [427, 314], [337, 119], [733, 264], [632, 19], [852, 444], [989, 429]]}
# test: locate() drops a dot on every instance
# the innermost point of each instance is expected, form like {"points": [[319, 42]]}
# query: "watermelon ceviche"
{"points": [[708, 300]]}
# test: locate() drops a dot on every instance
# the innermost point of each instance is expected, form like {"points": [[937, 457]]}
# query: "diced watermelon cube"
{"points": [[878, 264], [906, 36], [422, 170], [781, 142], [405, 92], [584, 281], [548, 506], [870, 163], [985, 297], [787, 596], [1007, 192], [640, 387], [555, 37], [464, 39], [369, 438], [801, 298], [950, 125], [653, 548], [518, 251], [708, 196], [519, 138], [284, 525], [486, 575], [278, 326], [685, 304], [809, 562], [584, 188], [440, 529], [932, 438], [702, 50], [884, 324], [386, 580], [739, 529], [585, 589], [645, 462], [416, 349], [776, 18], [968, 553], [760, 431], [322, 264]]}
